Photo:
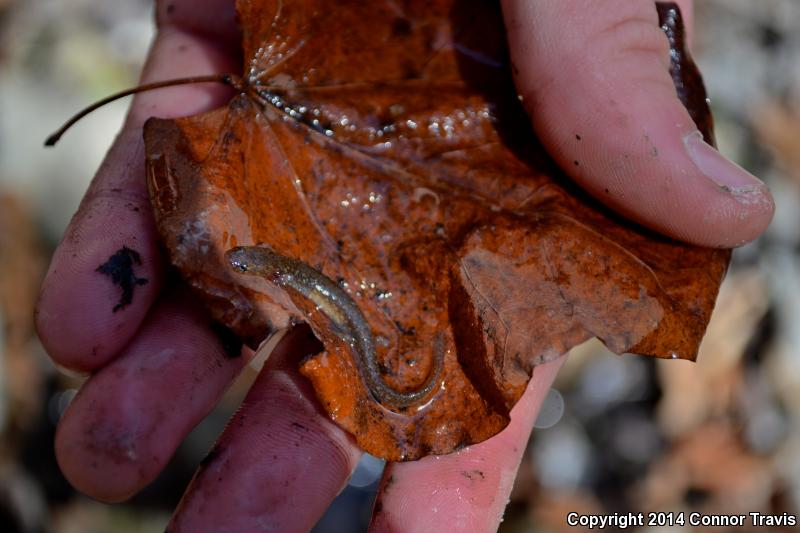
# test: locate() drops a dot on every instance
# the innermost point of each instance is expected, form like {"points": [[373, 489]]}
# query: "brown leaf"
{"points": [[405, 209]]}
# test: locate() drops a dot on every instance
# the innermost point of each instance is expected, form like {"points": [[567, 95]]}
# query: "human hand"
{"points": [[158, 367]]}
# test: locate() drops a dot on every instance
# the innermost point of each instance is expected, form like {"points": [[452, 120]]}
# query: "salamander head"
{"points": [[240, 258], [258, 261]]}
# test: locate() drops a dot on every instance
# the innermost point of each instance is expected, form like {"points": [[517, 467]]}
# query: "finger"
{"points": [[594, 78], [468, 490], [108, 266], [280, 461], [127, 420]]}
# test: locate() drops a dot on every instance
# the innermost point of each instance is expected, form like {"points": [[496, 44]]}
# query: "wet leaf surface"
{"points": [[406, 211]]}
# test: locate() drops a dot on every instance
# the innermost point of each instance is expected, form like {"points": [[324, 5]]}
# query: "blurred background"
{"points": [[617, 434]]}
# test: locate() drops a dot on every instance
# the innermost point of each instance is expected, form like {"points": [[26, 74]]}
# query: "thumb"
{"points": [[594, 76]]}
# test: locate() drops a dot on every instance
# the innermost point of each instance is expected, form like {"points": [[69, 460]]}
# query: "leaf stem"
{"points": [[227, 79]]}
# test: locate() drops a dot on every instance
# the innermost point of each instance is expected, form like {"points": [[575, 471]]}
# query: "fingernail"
{"points": [[727, 175]]}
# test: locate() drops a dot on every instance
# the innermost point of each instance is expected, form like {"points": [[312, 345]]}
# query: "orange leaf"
{"points": [[406, 211]]}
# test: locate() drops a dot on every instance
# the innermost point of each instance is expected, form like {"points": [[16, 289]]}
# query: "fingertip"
{"points": [[84, 477], [281, 446], [752, 206], [469, 487], [84, 315], [104, 275], [124, 425]]}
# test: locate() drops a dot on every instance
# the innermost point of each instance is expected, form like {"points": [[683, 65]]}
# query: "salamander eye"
{"points": [[237, 259]]}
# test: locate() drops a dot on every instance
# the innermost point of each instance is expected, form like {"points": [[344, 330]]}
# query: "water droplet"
{"points": [[552, 410]]}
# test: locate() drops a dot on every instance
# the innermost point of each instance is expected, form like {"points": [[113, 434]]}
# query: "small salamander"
{"points": [[339, 307]]}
